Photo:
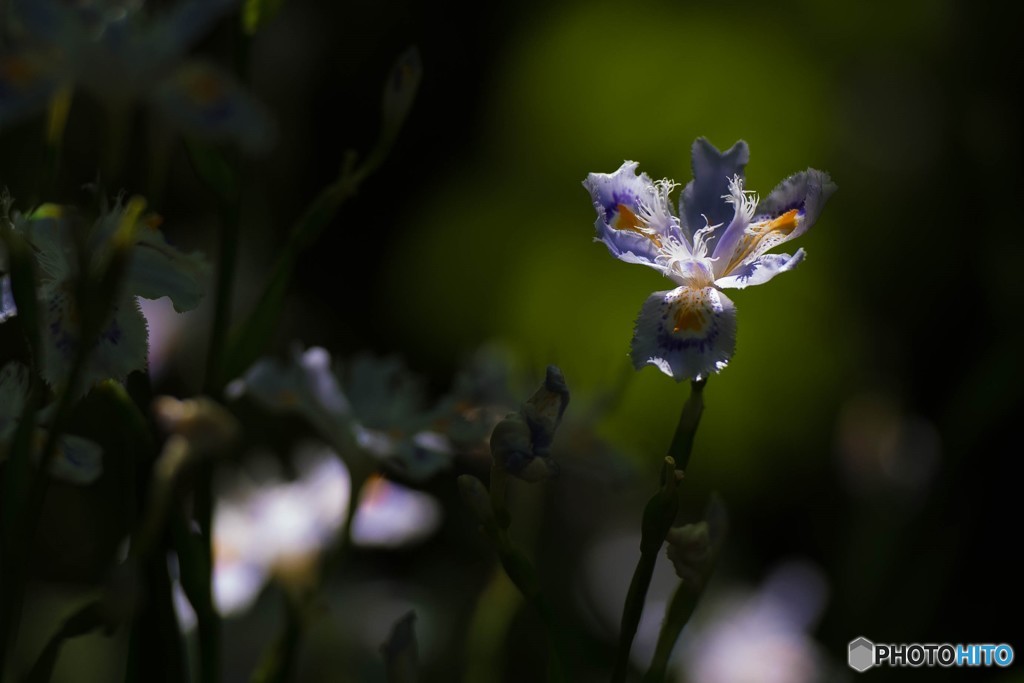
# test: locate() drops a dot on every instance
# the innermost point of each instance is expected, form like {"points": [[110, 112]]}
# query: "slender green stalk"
{"points": [[28, 515], [485, 637], [514, 561], [81, 622], [227, 261], [688, 593], [679, 611], [682, 441], [155, 648], [279, 660], [208, 621], [659, 514]]}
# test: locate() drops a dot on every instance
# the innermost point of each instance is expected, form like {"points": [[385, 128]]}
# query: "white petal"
{"points": [[761, 270]]}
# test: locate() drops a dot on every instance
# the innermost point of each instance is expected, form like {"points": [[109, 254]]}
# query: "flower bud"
{"points": [[693, 548], [520, 443], [689, 549]]}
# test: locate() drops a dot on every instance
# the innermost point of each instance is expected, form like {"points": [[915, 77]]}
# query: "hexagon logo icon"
{"points": [[862, 654]]}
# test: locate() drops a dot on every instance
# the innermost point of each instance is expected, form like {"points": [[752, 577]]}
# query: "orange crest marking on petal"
{"points": [[759, 237], [786, 223], [625, 219], [689, 314], [688, 319]]}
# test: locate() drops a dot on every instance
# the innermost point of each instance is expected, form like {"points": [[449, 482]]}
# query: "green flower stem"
{"points": [[155, 647], [688, 594], [227, 261], [679, 611], [249, 339], [279, 659], [659, 514], [195, 566], [213, 385], [81, 622], [18, 469], [28, 515], [522, 573], [499, 484], [682, 441], [485, 638]]}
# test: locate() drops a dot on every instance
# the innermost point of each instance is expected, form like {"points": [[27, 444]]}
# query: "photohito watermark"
{"points": [[864, 654]]}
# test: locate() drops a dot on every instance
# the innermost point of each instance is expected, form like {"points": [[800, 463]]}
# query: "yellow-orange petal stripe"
{"points": [[626, 219]]}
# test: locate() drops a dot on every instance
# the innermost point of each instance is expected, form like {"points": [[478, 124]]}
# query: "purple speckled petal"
{"points": [[633, 217], [806, 192], [686, 333]]}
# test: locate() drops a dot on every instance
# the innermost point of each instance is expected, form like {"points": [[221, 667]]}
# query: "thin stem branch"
{"points": [[659, 514]]}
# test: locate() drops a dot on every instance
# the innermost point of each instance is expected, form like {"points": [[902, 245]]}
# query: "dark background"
{"points": [[866, 424]]}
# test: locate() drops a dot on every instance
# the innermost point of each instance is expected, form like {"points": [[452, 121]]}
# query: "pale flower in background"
{"points": [[267, 527], [123, 55], [760, 636], [377, 406], [155, 269]]}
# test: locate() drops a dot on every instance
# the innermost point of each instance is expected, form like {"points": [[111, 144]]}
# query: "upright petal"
{"points": [[686, 333], [702, 196], [205, 101], [760, 270], [633, 217]]}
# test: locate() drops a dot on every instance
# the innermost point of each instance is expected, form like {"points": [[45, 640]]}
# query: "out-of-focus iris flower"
{"points": [[77, 460], [65, 248], [275, 528], [718, 240], [380, 410], [759, 637], [122, 56]]}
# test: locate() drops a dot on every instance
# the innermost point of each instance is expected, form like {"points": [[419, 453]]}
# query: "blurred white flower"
{"points": [[391, 515], [759, 637], [275, 528]]}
